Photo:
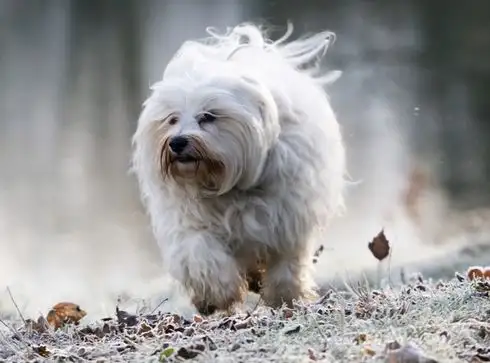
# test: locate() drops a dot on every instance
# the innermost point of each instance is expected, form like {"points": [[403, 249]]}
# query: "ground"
{"points": [[446, 321]]}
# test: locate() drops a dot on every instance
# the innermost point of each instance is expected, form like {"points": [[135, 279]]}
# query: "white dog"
{"points": [[240, 160]]}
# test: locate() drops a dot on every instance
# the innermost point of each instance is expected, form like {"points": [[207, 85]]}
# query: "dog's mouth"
{"points": [[184, 159]]}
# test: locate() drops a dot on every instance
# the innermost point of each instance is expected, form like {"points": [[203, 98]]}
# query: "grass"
{"points": [[448, 321]]}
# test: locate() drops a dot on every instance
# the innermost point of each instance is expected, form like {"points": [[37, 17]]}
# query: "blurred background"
{"points": [[412, 100]]}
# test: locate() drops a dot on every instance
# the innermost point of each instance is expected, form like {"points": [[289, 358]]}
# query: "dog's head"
{"points": [[208, 128]]}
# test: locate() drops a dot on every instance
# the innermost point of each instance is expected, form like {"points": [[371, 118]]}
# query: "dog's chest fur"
{"points": [[235, 218]]}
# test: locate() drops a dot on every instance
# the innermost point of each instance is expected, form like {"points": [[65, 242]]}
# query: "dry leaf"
{"points": [[474, 272], [197, 319], [318, 253], [126, 319], [368, 350], [380, 246], [64, 313], [243, 324], [287, 313], [361, 338], [486, 272], [191, 352], [42, 351]]}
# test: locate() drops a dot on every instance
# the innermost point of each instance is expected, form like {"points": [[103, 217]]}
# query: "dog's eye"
{"points": [[172, 120], [206, 118]]}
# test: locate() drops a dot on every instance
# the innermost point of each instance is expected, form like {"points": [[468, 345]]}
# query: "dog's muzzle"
{"points": [[179, 149]]}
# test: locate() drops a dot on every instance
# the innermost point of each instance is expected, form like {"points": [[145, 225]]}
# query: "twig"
{"points": [[317, 327], [15, 304], [160, 304], [14, 332], [7, 343], [249, 313]]}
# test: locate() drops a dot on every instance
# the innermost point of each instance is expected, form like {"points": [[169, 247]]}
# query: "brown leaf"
{"points": [[380, 246], [145, 330], [474, 272], [197, 319], [42, 351], [361, 338], [486, 273], [368, 350], [64, 313]]}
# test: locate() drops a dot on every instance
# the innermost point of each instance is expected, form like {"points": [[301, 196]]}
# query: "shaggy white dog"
{"points": [[240, 160]]}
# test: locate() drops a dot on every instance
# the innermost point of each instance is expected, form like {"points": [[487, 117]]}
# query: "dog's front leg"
{"points": [[288, 278], [208, 272]]}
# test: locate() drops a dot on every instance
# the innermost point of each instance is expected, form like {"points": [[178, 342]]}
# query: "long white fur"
{"points": [[283, 155]]}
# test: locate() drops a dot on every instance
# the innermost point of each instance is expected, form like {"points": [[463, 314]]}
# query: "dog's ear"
{"points": [[264, 100]]}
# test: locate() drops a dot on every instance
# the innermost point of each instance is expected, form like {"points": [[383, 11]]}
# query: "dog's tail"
{"points": [[304, 53]]}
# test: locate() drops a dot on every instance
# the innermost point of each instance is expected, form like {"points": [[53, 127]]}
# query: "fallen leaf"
{"points": [[197, 319], [474, 272], [361, 338], [166, 353], [486, 272], [126, 319], [243, 324], [318, 253], [380, 246], [191, 352], [368, 350], [287, 313], [188, 332], [64, 313], [294, 330], [42, 351], [145, 330]]}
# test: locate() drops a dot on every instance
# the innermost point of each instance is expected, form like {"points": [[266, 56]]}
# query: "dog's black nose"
{"points": [[178, 143]]}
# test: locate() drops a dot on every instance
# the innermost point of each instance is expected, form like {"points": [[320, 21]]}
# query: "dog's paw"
{"points": [[219, 295], [204, 308], [288, 281]]}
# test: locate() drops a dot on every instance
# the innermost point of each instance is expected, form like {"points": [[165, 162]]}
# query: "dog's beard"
{"points": [[196, 168]]}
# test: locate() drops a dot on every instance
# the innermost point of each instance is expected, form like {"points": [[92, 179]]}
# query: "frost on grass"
{"points": [[431, 321]]}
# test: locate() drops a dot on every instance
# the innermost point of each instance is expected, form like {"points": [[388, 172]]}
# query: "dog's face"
{"points": [[209, 130]]}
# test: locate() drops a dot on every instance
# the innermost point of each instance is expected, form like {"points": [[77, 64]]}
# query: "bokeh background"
{"points": [[413, 101]]}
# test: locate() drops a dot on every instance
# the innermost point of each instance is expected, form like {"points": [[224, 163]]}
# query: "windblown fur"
{"points": [[262, 170]]}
